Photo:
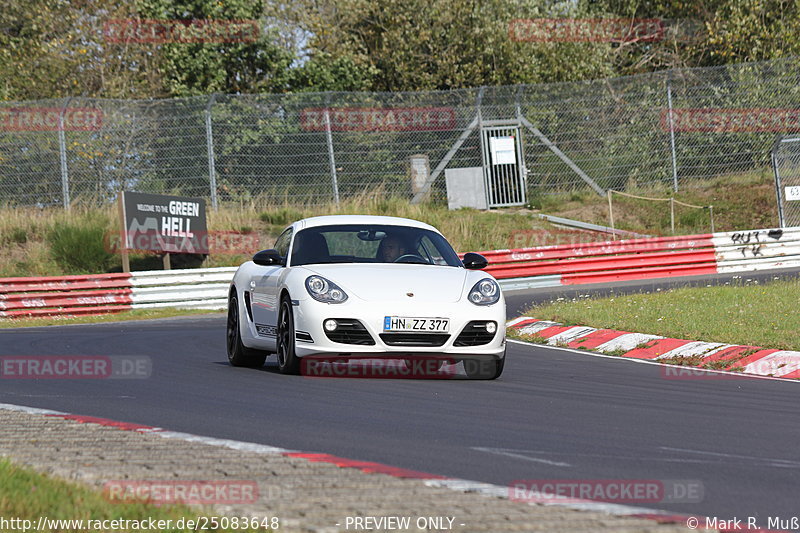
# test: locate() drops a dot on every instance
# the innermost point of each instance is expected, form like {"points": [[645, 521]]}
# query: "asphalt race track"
{"points": [[553, 414]]}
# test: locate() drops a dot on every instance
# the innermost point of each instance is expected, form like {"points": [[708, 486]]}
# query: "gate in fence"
{"points": [[503, 164], [786, 165]]}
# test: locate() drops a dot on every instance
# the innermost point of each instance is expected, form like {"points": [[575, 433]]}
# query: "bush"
{"points": [[79, 247]]}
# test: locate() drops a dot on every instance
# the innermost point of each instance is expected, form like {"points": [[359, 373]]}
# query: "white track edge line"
{"points": [[29, 410], [224, 443]]}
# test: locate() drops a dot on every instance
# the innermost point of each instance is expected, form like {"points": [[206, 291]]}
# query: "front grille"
{"points": [[474, 334], [414, 339], [350, 331]]}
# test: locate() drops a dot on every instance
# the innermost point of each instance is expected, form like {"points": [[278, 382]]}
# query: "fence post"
{"points": [[672, 136], [62, 152], [518, 110], [212, 171], [672, 214], [611, 214], [331, 157], [774, 159], [711, 213]]}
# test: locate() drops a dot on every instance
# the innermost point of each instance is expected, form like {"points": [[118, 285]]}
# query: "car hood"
{"points": [[393, 282]]}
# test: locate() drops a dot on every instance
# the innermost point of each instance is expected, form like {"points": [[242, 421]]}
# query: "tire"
{"points": [[288, 362], [484, 368], [238, 353]]}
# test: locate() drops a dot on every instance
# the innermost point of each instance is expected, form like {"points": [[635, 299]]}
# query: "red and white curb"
{"points": [[753, 360], [430, 480]]}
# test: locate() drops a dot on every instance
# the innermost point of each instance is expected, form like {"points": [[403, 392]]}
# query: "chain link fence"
{"points": [[786, 166], [674, 128]]}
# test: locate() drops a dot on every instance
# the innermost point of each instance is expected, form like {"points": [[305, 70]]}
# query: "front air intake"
{"points": [[475, 334], [419, 340], [349, 331]]}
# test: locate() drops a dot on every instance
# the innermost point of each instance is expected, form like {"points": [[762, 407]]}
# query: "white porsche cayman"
{"points": [[352, 287]]}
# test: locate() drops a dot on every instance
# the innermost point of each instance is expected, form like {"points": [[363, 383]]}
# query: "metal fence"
{"points": [[673, 128]]}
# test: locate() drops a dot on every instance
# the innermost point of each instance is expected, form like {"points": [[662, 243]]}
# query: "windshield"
{"points": [[367, 243]]}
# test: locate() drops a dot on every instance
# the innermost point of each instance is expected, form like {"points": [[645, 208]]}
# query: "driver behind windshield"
{"points": [[390, 249]]}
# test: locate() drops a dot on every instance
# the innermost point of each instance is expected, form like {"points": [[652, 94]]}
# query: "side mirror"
{"points": [[473, 261], [268, 258]]}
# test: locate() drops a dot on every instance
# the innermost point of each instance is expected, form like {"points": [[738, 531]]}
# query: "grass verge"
{"points": [[27, 495], [49, 242], [747, 313], [136, 314]]}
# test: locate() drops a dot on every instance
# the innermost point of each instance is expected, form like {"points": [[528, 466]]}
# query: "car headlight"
{"points": [[324, 290], [485, 292]]}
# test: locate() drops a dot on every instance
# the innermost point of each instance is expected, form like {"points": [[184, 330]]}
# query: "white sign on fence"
{"points": [[503, 150], [792, 193]]}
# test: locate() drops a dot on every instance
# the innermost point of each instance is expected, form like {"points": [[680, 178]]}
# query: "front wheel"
{"points": [[288, 362], [484, 368], [238, 353]]}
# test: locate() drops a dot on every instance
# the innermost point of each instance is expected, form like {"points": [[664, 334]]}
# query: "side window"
{"points": [[282, 244], [429, 250]]}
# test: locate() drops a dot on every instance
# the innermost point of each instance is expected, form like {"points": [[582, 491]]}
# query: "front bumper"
{"points": [[310, 315]]}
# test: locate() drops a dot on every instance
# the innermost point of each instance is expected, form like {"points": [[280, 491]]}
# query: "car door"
{"points": [[264, 291]]}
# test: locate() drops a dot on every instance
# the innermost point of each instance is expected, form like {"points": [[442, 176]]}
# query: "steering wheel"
{"points": [[405, 259]]}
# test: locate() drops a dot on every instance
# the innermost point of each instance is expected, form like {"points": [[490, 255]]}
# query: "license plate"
{"points": [[406, 323]]}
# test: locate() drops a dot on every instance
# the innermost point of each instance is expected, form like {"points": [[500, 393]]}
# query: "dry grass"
{"points": [[24, 231], [742, 201]]}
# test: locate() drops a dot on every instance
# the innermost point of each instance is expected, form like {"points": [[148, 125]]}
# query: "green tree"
{"points": [[324, 72], [753, 30], [253, 64], [52, 49]]}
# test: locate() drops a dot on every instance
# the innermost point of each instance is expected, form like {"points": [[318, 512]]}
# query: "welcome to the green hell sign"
{"points": [[170, 224]]}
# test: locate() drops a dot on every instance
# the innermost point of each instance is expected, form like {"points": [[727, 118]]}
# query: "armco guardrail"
{"points": [[659, 257], [112, 293], [75, 295], [757, 250], [205, 288], [608, 261], [596, 262]]}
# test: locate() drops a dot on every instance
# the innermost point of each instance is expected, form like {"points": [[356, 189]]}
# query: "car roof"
{"points": [[333, 220]]}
